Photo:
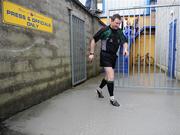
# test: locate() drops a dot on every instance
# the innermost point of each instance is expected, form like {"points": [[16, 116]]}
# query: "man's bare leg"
{"points": [[110, 84]]}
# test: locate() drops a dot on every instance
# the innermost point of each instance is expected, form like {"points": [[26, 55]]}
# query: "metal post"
{"points": [[139, 46], [167, 42], [123, 58], [134, 40], [108, 13], [172, 47], [148, 6], [150, 32], [177, 50], [144, 26], [144, 65], [118, 70], [150, 43], [155, 55], [129, 42], [160, 64]]}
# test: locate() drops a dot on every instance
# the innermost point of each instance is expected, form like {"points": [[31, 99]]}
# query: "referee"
{"points": [[111, 38]]}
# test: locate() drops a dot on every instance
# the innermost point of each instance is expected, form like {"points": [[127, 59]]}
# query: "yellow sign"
{"points": [[18, 15]]}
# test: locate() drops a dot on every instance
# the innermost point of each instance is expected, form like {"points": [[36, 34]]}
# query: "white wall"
{"points": [[83, 1], [163, 19], [119, 4]]}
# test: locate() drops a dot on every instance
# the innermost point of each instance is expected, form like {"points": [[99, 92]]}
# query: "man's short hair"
{"points": [[115, 16]]}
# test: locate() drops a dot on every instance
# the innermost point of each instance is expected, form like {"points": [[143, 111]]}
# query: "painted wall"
{"points": [[144, 20], [117, 4], [142, 47], [163, 18]]}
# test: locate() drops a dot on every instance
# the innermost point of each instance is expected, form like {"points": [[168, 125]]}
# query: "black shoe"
{"points": [[114, 103], [100, 95]]}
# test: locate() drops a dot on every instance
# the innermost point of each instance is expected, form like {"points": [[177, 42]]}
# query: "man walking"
{"points": [[111, 38]]}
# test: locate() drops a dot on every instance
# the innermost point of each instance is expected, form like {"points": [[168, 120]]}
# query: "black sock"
{"points": [[110, 86], [103, 83]]}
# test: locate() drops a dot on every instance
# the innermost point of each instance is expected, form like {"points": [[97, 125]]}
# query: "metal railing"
{"points": [[154, 44]]}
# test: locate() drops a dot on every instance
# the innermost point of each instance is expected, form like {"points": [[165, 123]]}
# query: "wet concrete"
{"points": [[78, 111]]}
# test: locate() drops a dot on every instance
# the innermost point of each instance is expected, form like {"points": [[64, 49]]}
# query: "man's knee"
{"points": [[111, 78], [109, 74]]}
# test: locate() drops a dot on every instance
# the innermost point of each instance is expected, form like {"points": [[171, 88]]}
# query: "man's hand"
{"points": [[91, 57], [125, 52]]}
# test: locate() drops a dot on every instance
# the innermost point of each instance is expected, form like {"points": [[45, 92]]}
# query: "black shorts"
{"points": [[107, 59]]}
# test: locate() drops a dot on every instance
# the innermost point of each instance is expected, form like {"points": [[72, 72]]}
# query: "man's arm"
{"points": [[125, 49], [92, 48]]}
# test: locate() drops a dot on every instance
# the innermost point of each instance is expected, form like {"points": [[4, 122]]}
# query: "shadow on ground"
{"points": [[4, 130]]}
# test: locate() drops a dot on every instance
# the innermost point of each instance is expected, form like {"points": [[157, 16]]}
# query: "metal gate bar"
{"points": [[149, 68], [78, 50]]}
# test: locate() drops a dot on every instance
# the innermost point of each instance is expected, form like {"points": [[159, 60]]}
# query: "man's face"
{"points": [[115, 24]]}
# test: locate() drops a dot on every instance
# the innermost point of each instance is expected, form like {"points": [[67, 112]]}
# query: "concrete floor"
{"points": [[146, 80], [148, 77], [78, 111]]}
